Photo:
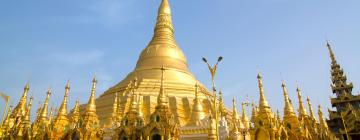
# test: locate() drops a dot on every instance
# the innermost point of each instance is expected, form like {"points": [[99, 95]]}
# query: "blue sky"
{"points": [[49, 42]]}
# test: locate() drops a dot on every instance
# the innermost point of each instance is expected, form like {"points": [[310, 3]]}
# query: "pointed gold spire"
{"points": [[5, 126], [278, 115], [51, 115], [253, 112], [332, 55], [263, 102], [244, 117], [91, 106], [288, 110], [162, 99], [222, 108], [20, 108], [302, 110], [44, 109], [197, 112], [163, 29], [235, 117], [24, 127], [235, 112], [322, 121], [312, 114], [115, 109], [133, 102], [63, 107], [75, 113], [28, 111]]}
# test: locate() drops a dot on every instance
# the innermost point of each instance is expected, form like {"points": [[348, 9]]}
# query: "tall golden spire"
{"points": [[197, 111], [222, 108], [278, 115], [134, 102], [75, 113], [20, 108], [312, 114], [162, 96], [90, 118], [51, 115], [61, 122], [302, 110], [263, 102], [115, 109], [253, 112], [5, 126], [163, 49], [322, 121], [235, 117], [164, 28], [244, 117], [91, 105], [288, 110], [63, 107], [28, 111], [22, 131], [235, 112], [44, 110]]}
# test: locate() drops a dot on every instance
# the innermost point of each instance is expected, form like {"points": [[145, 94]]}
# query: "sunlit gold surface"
{"points": [[162, 51], [161, 99]]}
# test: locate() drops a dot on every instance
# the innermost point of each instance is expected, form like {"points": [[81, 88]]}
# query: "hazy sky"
{"points": [[48, 42]]}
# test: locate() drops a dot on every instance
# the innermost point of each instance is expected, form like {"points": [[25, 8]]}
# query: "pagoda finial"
{"points": [[115, 109], [91, 106], [26, 120], [5, 126], [20, 108], [253, 112], [235, 113], [263, 102], [244, 117], [312, 114], [222, 109], [322, 121], [134, 102], [63, 107], [51, 114], [162, 96], [164, 27], [288, 110], [278, 115], [302, 110], [164, 18], [28, 111], [197, 112], [44, 110], [332, 55], [236, 122], [75, 113]]}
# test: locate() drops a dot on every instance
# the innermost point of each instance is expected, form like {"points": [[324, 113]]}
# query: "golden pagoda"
{"points": [[179, 82], [161, 100]]}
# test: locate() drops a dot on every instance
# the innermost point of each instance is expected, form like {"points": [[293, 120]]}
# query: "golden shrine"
{"points": [[161, 100]]}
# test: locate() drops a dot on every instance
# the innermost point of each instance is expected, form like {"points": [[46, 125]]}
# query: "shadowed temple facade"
{"points": [[162, 100]]}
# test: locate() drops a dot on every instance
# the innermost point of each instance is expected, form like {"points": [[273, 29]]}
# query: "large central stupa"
{"points": [[179, 82]]}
